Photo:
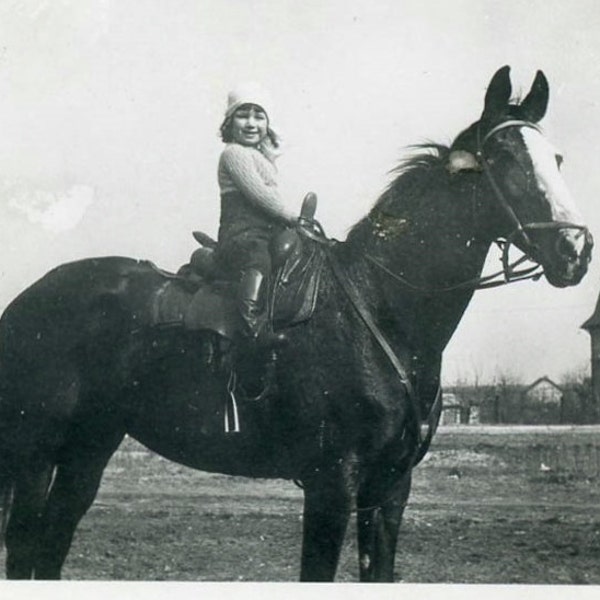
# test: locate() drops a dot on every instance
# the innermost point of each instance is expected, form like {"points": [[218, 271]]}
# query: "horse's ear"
{"points": [[498, 93], [533, 107]]}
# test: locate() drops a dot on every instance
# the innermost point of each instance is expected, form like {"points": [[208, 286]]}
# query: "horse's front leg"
{"points": [[378, 520], [327, 505]]}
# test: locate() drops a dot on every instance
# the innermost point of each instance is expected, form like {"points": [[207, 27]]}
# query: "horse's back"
{"points": [[74, 285], [75, 305]]}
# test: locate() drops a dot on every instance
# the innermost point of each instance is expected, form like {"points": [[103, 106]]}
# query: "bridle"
{"points": [[520, 229], [509, 272]]}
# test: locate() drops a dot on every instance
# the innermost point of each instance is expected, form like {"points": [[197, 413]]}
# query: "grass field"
{"points": [[489, 505]]}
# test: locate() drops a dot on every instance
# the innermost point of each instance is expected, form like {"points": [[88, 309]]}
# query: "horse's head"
{"points": [[526, 195]]}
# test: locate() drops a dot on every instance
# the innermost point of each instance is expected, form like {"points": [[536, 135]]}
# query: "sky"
{"points": [[109, 113]]}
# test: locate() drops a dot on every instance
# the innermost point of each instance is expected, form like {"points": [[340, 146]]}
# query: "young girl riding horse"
{"points": [[252, 210]]}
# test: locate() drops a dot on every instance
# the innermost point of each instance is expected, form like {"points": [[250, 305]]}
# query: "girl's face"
{"points": [[249, 125]]}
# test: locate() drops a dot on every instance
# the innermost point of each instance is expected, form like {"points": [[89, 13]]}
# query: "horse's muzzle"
{"points": [[566, 260]]}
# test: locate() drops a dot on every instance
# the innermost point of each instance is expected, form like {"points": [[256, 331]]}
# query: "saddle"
{"points": [[200, 297]]}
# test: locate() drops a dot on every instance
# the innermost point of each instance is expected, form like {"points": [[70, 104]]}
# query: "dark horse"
{"points": [[81, 365]]}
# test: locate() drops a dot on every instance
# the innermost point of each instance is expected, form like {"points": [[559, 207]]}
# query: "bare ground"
{"points": [[488, 506]]}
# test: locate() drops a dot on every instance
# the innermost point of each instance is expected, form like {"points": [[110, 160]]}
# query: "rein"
{"points": [[363, 312], [511, 275], [311, 228]]}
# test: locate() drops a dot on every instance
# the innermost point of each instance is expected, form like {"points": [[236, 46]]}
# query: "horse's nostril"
{"points": [[566, 246]]}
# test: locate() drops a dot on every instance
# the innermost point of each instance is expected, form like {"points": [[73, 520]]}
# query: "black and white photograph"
{"points": [[299, 293]]}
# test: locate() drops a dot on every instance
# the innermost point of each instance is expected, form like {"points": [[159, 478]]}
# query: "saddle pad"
{"points": [[212, 310], [206, 308]]}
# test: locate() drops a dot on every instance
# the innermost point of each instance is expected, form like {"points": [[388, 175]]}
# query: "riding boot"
{"points": [[250, 294]]}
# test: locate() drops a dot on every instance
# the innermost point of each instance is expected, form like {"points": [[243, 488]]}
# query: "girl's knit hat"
{"points": [[249, 93]]}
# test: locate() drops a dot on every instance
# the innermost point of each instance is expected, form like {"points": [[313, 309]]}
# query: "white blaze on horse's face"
{"points": [[549, 179]]}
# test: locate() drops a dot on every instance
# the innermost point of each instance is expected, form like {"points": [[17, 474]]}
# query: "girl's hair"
{"points": [[227, 134]]}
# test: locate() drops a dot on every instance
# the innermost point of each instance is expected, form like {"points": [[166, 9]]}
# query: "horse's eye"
{"points": [[559, 160]]}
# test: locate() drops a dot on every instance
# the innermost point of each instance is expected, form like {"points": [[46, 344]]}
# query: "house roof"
{"points": [[544, 379], [594, 321]]}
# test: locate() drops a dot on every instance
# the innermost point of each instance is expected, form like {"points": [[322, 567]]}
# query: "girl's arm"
{"points": [[240, 165]]}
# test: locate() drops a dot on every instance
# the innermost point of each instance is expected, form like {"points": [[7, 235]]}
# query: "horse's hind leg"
{"points": [[378, 521], [25, 523], [73, 491]]}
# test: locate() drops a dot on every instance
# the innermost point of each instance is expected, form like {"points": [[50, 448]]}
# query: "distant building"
{"points": [[592, 326], [542, 402], [451, 409], [458, 408]]}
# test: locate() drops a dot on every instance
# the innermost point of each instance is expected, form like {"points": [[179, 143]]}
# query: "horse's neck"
{"points": [[412, 307]]}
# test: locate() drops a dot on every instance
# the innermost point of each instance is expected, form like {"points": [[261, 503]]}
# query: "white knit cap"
{"points": [[249, 93]]}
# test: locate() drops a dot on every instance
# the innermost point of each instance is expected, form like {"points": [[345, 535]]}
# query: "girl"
{"points": [[252, 211]]}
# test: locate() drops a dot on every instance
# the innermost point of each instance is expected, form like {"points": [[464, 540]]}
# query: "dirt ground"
{"points": [[495, 505]]}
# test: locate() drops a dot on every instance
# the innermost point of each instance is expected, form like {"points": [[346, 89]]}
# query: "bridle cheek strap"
{"points": [[508, 209], [499, 195]]}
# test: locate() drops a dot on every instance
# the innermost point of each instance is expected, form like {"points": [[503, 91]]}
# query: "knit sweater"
{"points": [[247, 170]]}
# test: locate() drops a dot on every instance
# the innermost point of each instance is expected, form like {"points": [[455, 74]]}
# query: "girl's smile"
{"points": [[249, 125]]}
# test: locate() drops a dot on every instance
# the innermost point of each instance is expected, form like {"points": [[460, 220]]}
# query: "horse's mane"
{"points": [[426, 161], [424, 168]]}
